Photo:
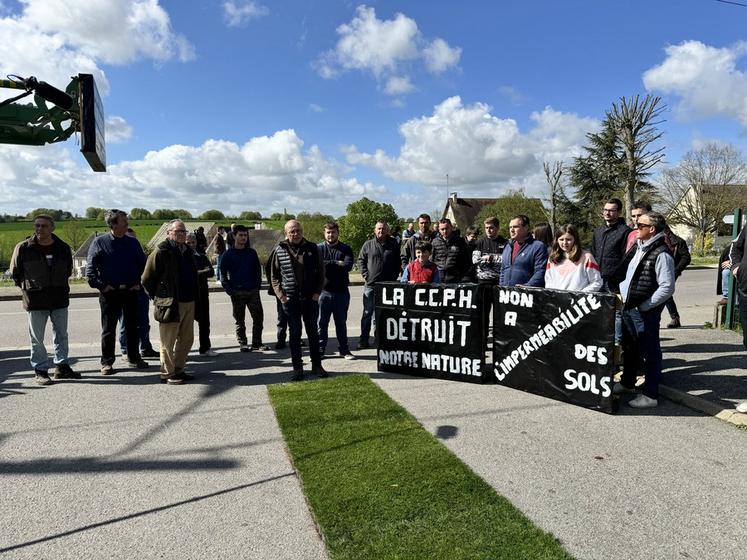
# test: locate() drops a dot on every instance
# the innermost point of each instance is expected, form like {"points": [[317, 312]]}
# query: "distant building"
{"points": [[463, 211], [81, 255]]}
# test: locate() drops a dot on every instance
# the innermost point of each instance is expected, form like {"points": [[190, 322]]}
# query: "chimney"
{"points": [[453, 197]]}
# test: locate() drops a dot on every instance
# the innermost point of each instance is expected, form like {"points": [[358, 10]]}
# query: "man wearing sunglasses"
{"points": [[648, 283]]}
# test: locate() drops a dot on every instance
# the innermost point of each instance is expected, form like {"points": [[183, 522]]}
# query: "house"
{"points": [[211, 228], [463, 211], [723, 198], [81, 255]]}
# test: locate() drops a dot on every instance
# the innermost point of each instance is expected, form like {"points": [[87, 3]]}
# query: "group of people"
{"points": [[310, 283]]}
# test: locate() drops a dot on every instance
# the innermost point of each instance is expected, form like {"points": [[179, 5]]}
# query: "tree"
{"points": [[313, 225], [697, 191], [511, 204], [75, 233], [163, 214], [181, 214], [250, 216], [553, 175], [55, 214], [635, 124], [357, 225], [212, 215], [93, 213], [140, 214]]}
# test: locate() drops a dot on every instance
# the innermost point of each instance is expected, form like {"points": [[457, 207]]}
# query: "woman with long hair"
{"points": [[569, 267]]}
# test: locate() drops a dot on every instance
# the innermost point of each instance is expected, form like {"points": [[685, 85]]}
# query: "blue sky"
{"points": [[303, 105]]}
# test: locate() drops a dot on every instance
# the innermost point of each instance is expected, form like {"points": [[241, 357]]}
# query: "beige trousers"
{"points": [[176, 340]]}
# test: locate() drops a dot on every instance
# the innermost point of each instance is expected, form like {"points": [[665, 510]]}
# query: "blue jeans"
{"points": [[143, 325], [218, 258], [368, 312], [335, 305], [725, 274], [304, 311], [37, 326], [641, 341]]}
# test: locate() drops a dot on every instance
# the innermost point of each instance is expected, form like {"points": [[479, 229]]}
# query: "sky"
{"points": [[310, 105]]}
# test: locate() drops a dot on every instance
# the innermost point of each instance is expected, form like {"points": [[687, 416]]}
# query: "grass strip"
{"points": [[381, 487]]}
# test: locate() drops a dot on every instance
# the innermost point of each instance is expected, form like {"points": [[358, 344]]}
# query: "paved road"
{"points": [[124, 467]]}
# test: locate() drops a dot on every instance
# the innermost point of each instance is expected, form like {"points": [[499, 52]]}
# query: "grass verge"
{"points": [[380, 486]]}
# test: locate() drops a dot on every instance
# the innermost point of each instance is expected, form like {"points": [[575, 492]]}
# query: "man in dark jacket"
{"points": [[202, 301], [297, 277], [334, 300], [378, 262], [242, 279], [451, 254], [114, 264], [648, 272], [681, 255], [170, 278], [608, 243], [41, 266], [739, 270]]}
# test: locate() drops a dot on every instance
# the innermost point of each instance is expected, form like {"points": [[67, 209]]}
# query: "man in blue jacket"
{"points": [[335, 297], [114, 265], [242, 278], [524, 258]]}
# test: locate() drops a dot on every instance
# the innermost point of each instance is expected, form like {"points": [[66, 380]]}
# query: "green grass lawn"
{"points": [[381, 487]]}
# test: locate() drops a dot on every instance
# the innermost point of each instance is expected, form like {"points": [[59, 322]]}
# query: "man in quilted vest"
{"points": [[648, 270], [297, 277]]}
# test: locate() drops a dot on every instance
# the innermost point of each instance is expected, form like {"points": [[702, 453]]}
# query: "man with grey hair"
{"points": [[41, 266], [648, 272], [378, 261], [170, 278], [114, 264]]}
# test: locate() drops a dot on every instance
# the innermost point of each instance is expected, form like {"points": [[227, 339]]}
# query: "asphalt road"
{"points": [[124, 467]]}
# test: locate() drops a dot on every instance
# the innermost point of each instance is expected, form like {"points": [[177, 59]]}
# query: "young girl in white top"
{"points": [[569, 267]]}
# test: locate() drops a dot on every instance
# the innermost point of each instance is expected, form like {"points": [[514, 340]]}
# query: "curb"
{"points": [[702, 405]]}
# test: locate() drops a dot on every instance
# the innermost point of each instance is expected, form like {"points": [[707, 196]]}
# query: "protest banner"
{"points": [[430, 330], [557, 344]]}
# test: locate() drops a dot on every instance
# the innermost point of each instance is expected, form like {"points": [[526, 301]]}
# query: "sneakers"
{"points": [[317, 369], [348, 356], [209, 352], [178, 378], [297, 374], [619, 389], [742, 407], [674, 323], [244, 348], [642, 401], [150, 353], [279, 345], [107, 369], [64, 371], [42, 377], [260, 348], [140, 364]]}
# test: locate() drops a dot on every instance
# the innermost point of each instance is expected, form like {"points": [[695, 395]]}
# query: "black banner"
{"points": [[557, 344], [430, 330]]}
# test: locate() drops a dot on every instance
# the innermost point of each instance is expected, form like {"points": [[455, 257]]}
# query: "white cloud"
{"points": [[113, 31], [476, 148], [238, 14], [705, 78], [265, 173], [117, 130], [398, 85], [439, 56], [385, 48], [512, 94], [316, 108]]}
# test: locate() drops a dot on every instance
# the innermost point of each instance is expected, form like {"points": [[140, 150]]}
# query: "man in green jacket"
{"points": [[170, 280], [41, 266]]}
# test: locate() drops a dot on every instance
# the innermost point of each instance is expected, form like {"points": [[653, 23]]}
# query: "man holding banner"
{"points": [[648, 270]]}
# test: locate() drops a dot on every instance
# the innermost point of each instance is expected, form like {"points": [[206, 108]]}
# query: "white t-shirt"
{"points": [[582, 276]]}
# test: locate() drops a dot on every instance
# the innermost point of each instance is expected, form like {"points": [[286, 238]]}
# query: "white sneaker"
{"points": [[210, 352], [742, 407], [348, 356], [244, 348], [619, 389], [642, 401]]}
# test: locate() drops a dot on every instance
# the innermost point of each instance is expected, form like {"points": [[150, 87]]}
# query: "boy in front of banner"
{"points": [[422, 269]]}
